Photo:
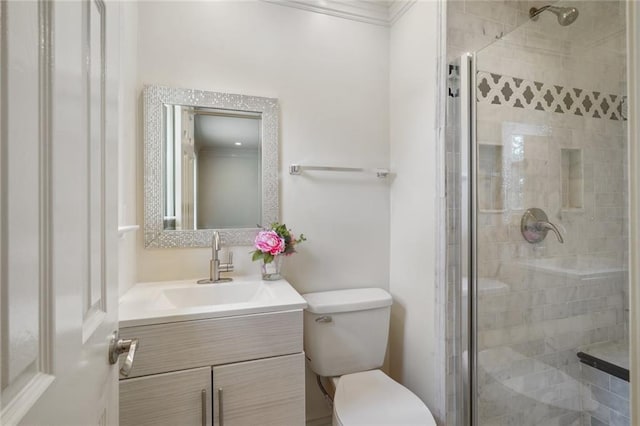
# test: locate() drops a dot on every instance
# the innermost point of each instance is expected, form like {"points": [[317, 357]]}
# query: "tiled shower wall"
{"points": [[475, 24], [610, 404], [546, 88], [532, 323]]}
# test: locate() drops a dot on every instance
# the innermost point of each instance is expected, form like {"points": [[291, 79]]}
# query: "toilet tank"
{"points": [[346, 331]]}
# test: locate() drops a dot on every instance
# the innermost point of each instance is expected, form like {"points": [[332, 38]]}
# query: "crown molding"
{"points": [[397, 8], [382, 13]]}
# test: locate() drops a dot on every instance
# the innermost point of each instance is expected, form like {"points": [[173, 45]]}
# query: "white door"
{"points": [[58, 236]]}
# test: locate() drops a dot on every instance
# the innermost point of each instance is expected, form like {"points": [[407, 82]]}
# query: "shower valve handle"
{"points": [[535, 225]]}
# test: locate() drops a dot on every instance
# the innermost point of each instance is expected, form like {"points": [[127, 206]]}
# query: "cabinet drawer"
{"points": [[179, 398], [265, 392], [189, 344]]}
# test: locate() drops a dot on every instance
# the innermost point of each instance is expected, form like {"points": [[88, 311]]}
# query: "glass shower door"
{"points": [[550, 223]]}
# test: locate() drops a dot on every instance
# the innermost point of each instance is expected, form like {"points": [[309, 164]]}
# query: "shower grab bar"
{"points": [[296, 169]]}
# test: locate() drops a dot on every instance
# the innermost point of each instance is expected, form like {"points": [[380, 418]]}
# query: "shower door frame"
{"points": [[633, 93], [468, 242]]}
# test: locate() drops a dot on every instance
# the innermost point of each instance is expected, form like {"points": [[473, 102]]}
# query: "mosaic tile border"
{"points": [[496, 89]]}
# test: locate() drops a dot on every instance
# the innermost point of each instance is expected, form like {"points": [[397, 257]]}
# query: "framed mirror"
{"points": [[210, 164]]}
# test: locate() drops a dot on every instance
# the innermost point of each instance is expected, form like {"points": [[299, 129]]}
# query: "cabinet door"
{"points": [[264, 392], [179, 398]]}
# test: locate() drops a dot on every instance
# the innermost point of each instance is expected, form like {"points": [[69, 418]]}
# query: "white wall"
{"points": [[413, 52], [331, 78], [128, 158]]}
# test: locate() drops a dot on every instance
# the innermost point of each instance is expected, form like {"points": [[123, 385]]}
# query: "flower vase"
{"points": [[271, 270]]}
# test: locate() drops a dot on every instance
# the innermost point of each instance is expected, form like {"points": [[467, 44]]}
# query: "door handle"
{"points": [[118, 347], [203, 401]]}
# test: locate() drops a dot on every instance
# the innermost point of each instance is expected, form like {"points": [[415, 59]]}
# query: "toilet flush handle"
{"points": [[324, 318]]}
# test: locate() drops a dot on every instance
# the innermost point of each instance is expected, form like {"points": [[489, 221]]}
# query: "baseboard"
{"points": [[321, 421]]}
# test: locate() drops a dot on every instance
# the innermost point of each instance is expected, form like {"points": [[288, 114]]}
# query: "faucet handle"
{"points": [[543, 226], [227, 267]]}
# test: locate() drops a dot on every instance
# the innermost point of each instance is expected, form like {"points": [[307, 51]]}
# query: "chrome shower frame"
{"points": [[468, 242]]}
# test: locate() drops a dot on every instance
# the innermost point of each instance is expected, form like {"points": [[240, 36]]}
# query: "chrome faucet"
{"points": [[215, 267]]}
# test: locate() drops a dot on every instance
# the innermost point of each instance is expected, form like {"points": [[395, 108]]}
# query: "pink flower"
{"points": [[269, 242]]}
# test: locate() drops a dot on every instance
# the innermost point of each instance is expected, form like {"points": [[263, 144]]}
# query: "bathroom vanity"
{"points": [[216, 354]]}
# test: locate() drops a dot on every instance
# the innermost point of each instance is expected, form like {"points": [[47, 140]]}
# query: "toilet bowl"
{"points": [[373, 398], [345, 339]]}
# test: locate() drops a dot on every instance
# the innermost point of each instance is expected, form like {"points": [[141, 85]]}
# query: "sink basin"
{"points": [[216, 294], [171, 301]]}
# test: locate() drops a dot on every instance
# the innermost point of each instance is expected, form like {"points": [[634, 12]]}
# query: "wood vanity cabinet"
{"points": [[234, 371], [168, 399], [264, 392]]}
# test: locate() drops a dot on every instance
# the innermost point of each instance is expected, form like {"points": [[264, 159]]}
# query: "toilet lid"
{"points": [[373, 398]]}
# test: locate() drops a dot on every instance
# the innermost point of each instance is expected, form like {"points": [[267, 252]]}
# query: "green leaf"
{"points": [[257, 255]]}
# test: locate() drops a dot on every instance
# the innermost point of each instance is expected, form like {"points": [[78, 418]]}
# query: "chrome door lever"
{"points": [[118, 347]]}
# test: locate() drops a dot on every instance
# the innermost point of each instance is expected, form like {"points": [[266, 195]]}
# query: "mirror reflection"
{"points": [[212, 168]]}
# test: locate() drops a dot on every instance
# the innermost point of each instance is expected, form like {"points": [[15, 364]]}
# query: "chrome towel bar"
{"points": [[296, 169]]}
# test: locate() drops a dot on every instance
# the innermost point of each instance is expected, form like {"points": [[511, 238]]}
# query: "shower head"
{"points": [[566, 15]]}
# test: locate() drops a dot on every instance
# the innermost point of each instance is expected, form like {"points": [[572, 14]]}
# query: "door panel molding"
{"points": [[46, 277], [95, 310], [21, 394]]}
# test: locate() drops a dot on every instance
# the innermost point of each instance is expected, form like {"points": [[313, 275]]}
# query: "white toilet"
{"points": [[345, 334]]}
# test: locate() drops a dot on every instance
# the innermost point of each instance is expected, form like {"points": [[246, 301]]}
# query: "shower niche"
{"points": [[572, 179]]}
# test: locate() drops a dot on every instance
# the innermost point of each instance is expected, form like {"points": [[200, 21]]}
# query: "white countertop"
{"points": [[170, 301]]}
